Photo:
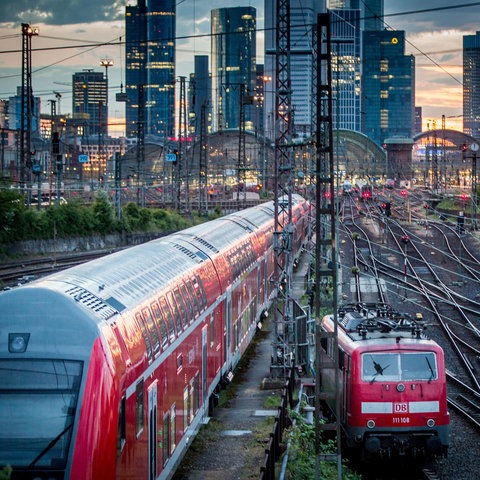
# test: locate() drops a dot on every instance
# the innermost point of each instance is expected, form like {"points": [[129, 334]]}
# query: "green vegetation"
{"points": [[5, 473], [301, 462], [19, 222]]}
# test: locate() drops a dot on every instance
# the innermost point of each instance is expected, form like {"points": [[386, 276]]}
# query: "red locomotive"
{"points": [[392, 384], [107, 369]]}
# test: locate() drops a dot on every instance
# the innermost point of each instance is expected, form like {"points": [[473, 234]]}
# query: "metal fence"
{"points": [[275, 447]]}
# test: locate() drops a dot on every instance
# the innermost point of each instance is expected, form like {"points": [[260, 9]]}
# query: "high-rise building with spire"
{"points": [[150, 62]]}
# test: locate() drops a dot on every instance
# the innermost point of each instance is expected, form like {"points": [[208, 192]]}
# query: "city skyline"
{"points": [[433, 34]]}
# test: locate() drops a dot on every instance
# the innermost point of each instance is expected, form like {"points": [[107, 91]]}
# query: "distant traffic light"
{"points": [[464, 151]]}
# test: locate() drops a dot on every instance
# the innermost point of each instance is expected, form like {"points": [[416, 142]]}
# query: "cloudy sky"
{"points": [[72, 35]]}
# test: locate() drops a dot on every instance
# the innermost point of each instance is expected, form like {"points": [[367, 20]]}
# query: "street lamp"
{"points": [[106, 63], [102, 151]]}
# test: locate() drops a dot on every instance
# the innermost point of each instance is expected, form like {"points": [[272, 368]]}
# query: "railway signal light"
{"points": [[387, 209], [403, 193], [464, 197]]}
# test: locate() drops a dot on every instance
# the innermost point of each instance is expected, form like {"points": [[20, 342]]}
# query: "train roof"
{"points": [[123, 279], [362, 322]]}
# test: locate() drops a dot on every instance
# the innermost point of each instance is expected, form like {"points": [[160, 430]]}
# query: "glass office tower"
{"points": [[233, 69], [471, 85], [388, 86], [150, 61]]}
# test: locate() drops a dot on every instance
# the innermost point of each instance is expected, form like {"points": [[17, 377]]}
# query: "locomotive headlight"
{"points": [[430, 422], [17, 342], [371, 424]]}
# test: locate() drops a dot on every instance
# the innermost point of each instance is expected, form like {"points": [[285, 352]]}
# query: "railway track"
{"points": [[437, 273], [26, 270]]}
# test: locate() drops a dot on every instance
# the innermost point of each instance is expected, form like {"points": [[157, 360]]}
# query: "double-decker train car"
{"points": [[108, 369], [392, 384]]}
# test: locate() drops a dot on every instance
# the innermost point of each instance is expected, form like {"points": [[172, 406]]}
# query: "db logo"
{"points": [[400, 408]]}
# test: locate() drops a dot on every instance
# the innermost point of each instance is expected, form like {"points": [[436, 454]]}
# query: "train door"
{"points": [[152, 432], [227, 335], [204, 362]]}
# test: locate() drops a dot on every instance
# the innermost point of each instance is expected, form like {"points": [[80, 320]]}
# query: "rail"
{"points": [[282, 421]]}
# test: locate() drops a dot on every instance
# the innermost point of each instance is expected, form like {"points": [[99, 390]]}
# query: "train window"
{"points": [[157, 313], [198, 293], [188, 302], [399, 366], [152, 327], [146, 337], [418, 366], [176, 312], [193, 293], [122, 428], [212, 330], [38, 401], [181, 305], [203, 294], [341, 359], [168, 315], [139, 408], [179, 363]]}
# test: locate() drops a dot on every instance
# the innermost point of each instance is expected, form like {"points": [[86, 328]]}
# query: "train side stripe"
{"points": [[377, 407], [424, 407], [413, 407]]}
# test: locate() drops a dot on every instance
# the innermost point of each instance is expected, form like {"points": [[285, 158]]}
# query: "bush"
{"points": [[12, 212], [75, 219], [301, 464]]}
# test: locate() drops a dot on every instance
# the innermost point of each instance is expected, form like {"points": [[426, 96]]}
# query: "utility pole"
{"points": [[103, 122], [140, 146], [25, 163], [203, 164], [325, 251], [284, 323], [242, 163], [182, 161], [474, 147]]}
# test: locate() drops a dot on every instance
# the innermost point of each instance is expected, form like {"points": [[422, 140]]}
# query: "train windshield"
{"points": [[38, 399], [390, 367]]}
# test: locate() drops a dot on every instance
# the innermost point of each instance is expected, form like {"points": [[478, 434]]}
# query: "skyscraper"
{"points": [[388, 86], [233, 65], [471, 85], [89, 102], [372, 14], [150, 61], [345, 28], [303, 18], [199, 93]]}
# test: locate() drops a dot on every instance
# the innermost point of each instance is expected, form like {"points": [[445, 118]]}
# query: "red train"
{"points": [[392, 384], [107, 369]]}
